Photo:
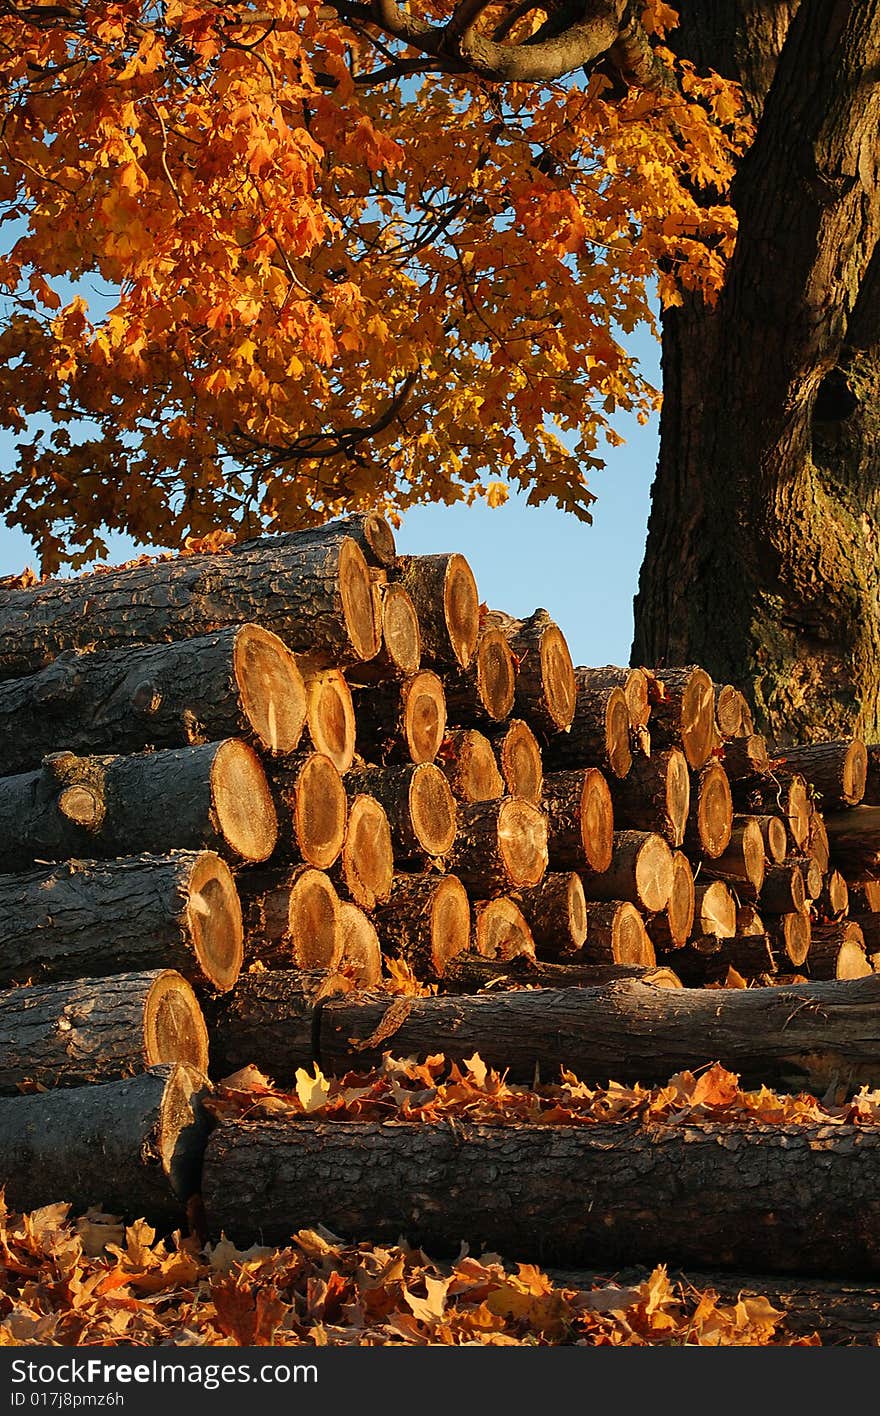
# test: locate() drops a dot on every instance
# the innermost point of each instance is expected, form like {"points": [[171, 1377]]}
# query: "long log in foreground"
{"points": [[179, 911], [241, 682], [97, 1029], [783, 1197], [806, 1035], [131, 1147]]}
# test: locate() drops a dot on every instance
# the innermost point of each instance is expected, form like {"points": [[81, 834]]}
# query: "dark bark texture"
{"points": [[761, 561]]}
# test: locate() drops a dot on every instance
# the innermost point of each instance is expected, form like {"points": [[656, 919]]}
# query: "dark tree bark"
{"points": [[807, 1036], [761, 561], [790, 1198], [132, 1147]]}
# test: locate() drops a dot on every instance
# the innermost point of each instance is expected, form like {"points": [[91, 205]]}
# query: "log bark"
{"points": [[519, 755], [365, 869], [82, 918], [872, 782], [471, 974], [420, 807], [241, 682], [746, 757], [468, 763], [833, 901], [401, 721], [545, 687], [332, 729], [444, 593], [291, 918], [599, 735], [556, 913], [837, 951], [427, 921], [784, 890], [214, 796], [743, 858], [312, 807], [685, 715], [807, 1036], [500, 846], [674, 926], [710, 817], [708, 960], [635, 685], [270, 1022], [655, 795], [371, 531], [785, 1197], [482, 695], [837, 771], [501, 930], [89, 1030], [318, 599], [641, 871], [580, 819], [854, 837], [864, 895], [616, 934], [131, 1147], [779, 793]]}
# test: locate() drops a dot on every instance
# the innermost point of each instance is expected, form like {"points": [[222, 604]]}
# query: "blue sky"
{"points": [[525, 557]]}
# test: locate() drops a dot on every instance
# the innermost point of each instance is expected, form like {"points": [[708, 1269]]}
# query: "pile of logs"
{"points": [[235, 787]]}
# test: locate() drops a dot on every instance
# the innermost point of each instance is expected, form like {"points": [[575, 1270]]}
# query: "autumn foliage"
{"points": [[264, 262]]}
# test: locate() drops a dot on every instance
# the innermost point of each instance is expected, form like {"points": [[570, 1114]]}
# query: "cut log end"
{"points": [[174, 1028], [502, 932], [450, 923], [432, 810], [379, 537], [654, 875], [630, 942], [678, 794], [243, 801], [681, 903], [557, 673], [320, 811], [331, 717], [597, 820], [715, 914], [424, 715], [215, 921], [313, 921], [361, 953], [496, 674], [367, 855], [617, 725], [182, 1129], [467, 761], [855, 772], [461, 605], [82, 806], [358, 604], [522, 840], [271, 688], [521, 767], [714, 810], [698, 718], [400, 628]]}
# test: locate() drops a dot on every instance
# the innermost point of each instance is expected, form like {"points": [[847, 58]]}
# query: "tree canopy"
{"points": [[269, 260]]}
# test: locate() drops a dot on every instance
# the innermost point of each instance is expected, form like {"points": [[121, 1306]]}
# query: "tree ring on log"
{"points": [[82, 805], [496, 674], [243, 801], [617, 724], [181, 1132], [630, 941], [855, 772], [714, 810], [313, 920], [522, 840], [271, 688], [358, 604], [361, 952], [174, 1028], [521, 765], [502, 931], [654, 874], [400, 628], [432, 809], [367, 853], [380, 538], [682, 900], [450, 923], [424, 715], [461, 608], [331, 717], [557, 674], [597, 820], [320, 811], [698, 717], [214, 918]]}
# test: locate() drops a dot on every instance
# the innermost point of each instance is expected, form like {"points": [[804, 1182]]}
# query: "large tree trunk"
{"points": [[789, 1198], [761, 559]]}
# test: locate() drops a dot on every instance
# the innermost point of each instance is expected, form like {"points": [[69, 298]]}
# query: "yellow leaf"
{"points": [[312, 1091]]}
